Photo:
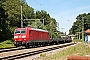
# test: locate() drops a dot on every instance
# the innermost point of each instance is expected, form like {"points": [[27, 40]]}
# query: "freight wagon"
{"points": [[30, 37]]}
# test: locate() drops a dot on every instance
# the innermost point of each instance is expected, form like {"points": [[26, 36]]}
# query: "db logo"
{"points": [[20, 36]]}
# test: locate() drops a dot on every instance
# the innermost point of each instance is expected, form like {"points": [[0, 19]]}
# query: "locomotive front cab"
{"points": [[19, 37]]}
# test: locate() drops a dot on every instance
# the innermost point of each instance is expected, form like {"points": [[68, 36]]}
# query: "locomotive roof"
{"points": [[34, 29], [39, 30]]}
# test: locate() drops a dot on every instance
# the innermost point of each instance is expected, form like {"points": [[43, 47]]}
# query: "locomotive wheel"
{"points": [[27, 45], [16, 45], [34, 46]]}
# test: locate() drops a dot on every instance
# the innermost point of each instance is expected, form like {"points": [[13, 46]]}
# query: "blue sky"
{"points": [[64, 11]]}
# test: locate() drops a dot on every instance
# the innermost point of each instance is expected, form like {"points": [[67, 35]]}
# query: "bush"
{"points": [[6, 44]]}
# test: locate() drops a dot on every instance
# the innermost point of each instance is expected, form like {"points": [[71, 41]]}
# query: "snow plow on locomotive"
{"points": [[30, 36]]}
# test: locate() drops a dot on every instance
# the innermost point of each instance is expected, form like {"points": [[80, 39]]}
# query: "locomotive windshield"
{"points": [[17, 32], [20, 31], [23, 31]]}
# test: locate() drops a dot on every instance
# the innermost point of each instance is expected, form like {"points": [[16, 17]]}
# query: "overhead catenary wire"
{"points": [[43, 6], [47, 8], [51, 11]]}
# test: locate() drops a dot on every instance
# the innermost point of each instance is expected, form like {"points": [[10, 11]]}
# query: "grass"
{"points": [[42, 54], [80, 50], [78, 40], [6, 44]]}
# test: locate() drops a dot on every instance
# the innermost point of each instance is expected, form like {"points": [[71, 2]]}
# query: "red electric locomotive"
{"points": [[30, 36]]}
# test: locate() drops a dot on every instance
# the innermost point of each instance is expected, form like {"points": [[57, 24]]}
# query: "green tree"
{"points": [[4, 31], [77, 26], [13, 19], [28, 12], [12, 8]]}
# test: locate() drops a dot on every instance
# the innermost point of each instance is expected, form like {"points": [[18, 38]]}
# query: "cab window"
{"points": [[17, 32], [23, 31], [20, 31]]}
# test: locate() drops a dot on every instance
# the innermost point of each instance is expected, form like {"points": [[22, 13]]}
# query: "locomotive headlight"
{"points": [[24, 36], [15, 36]]}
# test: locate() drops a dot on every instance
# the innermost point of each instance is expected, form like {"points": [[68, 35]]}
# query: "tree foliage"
{"points": [[10, 18], [3, 23], [77, 26]]}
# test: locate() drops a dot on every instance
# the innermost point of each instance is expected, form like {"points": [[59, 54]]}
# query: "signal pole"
{"points": [[21, 18], [58, 28], [43, 23], [82, 28], [51, 29]]}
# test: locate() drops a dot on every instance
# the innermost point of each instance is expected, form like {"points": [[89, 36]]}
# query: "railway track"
{"points": [[10, 49], [18, 54], [13, 49]]}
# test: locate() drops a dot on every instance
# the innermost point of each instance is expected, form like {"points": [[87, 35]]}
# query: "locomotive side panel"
{"points": [[45, 36]]}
